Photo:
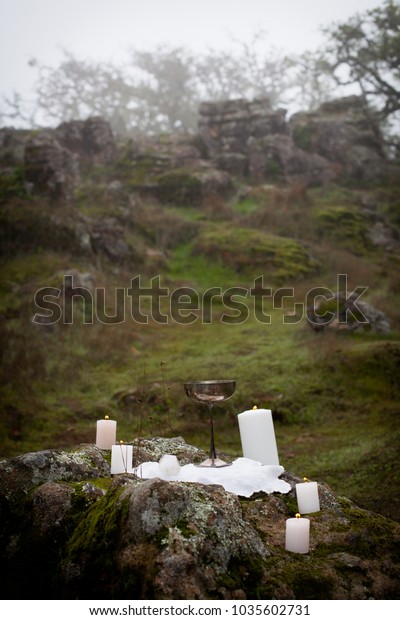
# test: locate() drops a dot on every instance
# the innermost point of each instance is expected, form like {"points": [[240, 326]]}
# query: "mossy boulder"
{"points": [[347, 226], [179, 187], [29, 226], [348, 313], [71, 530], [255, 252]]}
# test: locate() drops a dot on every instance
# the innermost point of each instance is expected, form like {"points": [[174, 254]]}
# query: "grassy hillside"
{"points": [[334, 394]]}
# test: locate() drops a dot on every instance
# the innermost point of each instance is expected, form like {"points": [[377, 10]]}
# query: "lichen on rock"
{"points": [[71, 530]]}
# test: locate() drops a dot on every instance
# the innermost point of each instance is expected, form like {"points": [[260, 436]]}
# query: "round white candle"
{"points": [[169, 465], [121, 458], [307, 497], [257, 435], [297, 535], [106, 433]]}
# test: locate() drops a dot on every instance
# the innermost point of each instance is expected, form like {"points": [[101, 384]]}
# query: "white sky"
{"points": [[103, 30]]}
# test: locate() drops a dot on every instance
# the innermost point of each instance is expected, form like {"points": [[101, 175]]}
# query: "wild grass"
{"points": [[334, 397]]}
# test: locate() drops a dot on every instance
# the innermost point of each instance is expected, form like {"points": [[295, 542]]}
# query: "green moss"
{"points": [[249, 251], [186, 530], [96, 539], [247, 206], [368, 533], [309, 583], [273, 170], [244, 574], [302, 137], [28, 227], [98, 529], [346, 225], [179, 187], [12, 185], [338, 307], [291, 504], [186, 264]]}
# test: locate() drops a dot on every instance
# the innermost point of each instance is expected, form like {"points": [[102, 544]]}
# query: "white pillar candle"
{"points": [[257, 435], [297, 535], [121, 458], [169, 465], [307, 497], [106, 433]]}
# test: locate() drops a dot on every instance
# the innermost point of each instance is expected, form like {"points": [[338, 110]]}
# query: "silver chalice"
{"points": [[208, 393]]}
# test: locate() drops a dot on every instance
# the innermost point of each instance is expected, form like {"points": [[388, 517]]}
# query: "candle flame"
{"points": [[306, 480], [106, 417], [298, 515], [255, 407], [121, 442]]}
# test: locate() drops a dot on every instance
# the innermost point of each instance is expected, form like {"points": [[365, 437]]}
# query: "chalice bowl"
{"points": [[209, 393]]}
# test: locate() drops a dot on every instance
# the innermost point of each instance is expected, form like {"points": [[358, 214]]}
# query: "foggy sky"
{"points": [[104, 30]]}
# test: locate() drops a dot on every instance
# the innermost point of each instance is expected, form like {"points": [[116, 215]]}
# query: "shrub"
{"points": [[179, 187]]}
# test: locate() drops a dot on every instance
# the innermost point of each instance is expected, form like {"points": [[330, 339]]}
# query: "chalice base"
{"points": [[213, 463]]}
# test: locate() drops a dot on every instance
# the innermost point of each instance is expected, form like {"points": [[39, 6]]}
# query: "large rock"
{"points": [[230, 131], [226, 126], [342, 313], [50, 168], [346, 133], [107, 237], [172, 168], [70, 530], [92, 140], [50, 161], [340, 140], [275, 158]]}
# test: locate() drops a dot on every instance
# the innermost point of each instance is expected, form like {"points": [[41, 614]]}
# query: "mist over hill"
{"points": [[259, 248]]}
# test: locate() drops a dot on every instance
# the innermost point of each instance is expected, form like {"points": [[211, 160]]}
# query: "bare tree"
{"points": [[164, 90], [364, 52], [251, 70]]}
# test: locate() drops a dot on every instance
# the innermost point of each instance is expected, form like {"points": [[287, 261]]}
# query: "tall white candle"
{"points": [[121, 458], [307, 497], [257, 435], [297, 535], [106, 433]]}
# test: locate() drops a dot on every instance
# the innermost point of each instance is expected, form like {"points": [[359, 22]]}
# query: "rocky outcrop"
{"points": [[342, 313], [92, 140], [50, 168], [276, 158], [253, 141], [346, 133], [71, 530], [173, 169], [44, 165], [50, 161], [226, 126], [236, 138], [230, 128]]}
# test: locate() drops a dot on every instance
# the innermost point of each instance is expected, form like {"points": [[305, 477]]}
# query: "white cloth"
{"points": [[244, 477]]}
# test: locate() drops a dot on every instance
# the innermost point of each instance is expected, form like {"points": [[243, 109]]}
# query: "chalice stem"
{"points": [[213, 454]]}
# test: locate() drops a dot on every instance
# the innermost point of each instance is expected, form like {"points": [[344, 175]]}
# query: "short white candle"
{"points": [[257, 435], [106, 432], [297, 535], [169, 465], [121, 458], [307, 497]]}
